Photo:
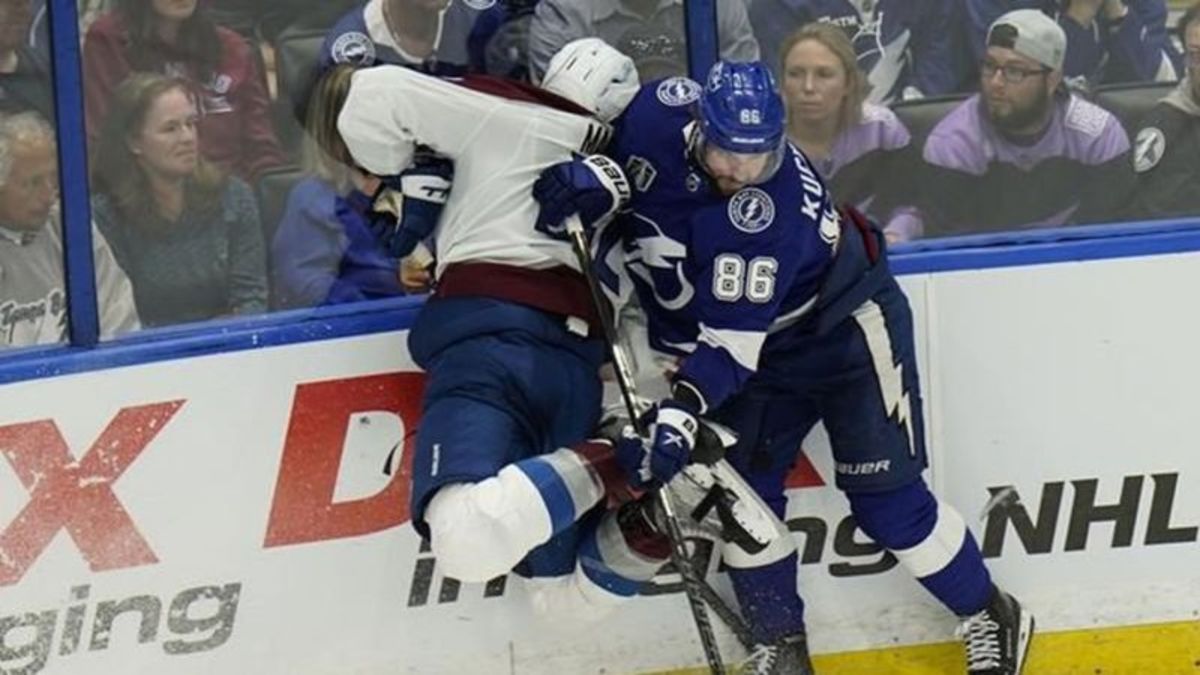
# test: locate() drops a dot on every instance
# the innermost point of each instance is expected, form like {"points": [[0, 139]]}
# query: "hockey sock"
{"points": [[930, 538], [769, 600], [569, 481]]}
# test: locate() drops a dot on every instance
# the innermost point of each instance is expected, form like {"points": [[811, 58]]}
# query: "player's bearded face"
{"points": [[733, 171]]}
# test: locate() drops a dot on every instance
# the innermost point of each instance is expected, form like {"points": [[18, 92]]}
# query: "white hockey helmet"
{"points": [[594, 75]]}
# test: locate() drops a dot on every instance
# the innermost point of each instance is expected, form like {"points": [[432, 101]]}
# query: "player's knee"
{"points": [[472, 533], [924, 533], [896, 519]]}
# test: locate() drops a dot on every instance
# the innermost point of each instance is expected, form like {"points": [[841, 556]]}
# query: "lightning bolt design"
{"points": [[660, 252], [889, 374]]}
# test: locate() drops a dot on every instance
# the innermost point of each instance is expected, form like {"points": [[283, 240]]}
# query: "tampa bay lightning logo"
{"points": [[677, 91], [751, 210], [353, 48]]}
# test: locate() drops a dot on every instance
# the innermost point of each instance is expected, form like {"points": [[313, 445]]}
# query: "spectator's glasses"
{"points": [[1012, 74]]}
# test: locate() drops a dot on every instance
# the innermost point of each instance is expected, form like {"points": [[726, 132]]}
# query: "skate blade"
{"points": [[1025, 638]]}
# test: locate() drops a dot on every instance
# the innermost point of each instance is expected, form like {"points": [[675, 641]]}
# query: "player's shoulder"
{"points": [[667, 98]]}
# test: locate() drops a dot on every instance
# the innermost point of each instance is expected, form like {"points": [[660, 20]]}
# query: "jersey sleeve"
{"points": [[391, 109], [745, 282]]}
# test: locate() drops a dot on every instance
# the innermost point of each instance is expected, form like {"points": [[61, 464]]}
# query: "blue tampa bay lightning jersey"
{"points": [[715, 274]]}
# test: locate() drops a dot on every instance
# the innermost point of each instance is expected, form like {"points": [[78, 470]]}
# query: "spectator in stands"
{"points": [[430, 35], [39, 28], [908, 48], [499, 41], [1108, 41], [176, 38], [24, 73], [1166, 154], [1024, 152], [651, 32], [188, 236], [328, 247], [33, 303], [860, 148]]}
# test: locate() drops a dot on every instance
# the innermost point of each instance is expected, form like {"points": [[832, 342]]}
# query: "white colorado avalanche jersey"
{"points": [[501, 135]]}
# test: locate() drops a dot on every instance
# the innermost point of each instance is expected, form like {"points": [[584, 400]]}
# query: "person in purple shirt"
{"points": [[1108, 41], [1024, 152], [908, 48], [858, 147]]}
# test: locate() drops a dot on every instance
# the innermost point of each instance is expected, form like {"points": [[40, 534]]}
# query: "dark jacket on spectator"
{"points": [[235, 125], [325, 251], [1135, 49], [207, 264], [1166, 157], [977, 180], [903, 44], [29, 87], [657, 44]]}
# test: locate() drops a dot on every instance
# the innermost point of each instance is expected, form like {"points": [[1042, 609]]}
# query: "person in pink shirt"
{"points": [[176, 38]]}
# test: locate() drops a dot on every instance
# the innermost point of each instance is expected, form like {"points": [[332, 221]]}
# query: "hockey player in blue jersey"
{"points": [[504, 476], [782, 313]]}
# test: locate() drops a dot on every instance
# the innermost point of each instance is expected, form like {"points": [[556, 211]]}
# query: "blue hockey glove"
{"points": [[425, 187], [672, 432], [593, 187]]}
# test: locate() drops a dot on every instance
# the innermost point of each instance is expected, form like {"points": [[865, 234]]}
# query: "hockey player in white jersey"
{"points": [[504, 476]]}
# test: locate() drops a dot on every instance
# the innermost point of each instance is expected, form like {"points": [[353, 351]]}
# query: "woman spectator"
{"points": [[328, 247], [858, 147], [188, 237], [176, 38]]}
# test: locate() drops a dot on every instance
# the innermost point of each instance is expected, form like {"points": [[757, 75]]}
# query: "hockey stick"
{"points": [[692, 584]]}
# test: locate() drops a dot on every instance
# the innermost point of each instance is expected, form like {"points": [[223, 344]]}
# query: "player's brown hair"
{"points": [[835, 40]]}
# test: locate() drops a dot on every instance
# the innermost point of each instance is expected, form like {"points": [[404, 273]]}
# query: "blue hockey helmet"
{"points": [[741, 123]]}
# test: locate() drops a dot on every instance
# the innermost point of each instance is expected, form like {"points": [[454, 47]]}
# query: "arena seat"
{"points": [[922, 115], [272, 192], [1131, 102], [296, 52]]}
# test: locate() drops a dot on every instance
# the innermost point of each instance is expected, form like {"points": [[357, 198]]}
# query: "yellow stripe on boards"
{"points": [[1155, 649]]}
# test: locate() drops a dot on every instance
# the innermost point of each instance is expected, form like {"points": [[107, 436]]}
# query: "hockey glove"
{"points": [[425, 186], [593, 187], [658, 459]]}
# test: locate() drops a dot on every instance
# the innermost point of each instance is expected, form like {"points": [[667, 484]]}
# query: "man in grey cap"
{"points": [[650, 32], [33, 302], [1024, 152], [1166, 150]]}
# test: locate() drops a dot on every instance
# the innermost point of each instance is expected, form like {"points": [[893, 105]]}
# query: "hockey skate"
{"points": [[786, 656], [997, 638]]}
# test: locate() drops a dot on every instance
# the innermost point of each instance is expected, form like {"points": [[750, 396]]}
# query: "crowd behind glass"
{"points": [[209, 201]]}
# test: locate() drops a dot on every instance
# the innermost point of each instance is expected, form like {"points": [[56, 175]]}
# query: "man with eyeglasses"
{"points": [[1024, 152], [1166, 150]]}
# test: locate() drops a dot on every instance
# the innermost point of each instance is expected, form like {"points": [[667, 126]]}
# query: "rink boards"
{"points": [[228, 514]]}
